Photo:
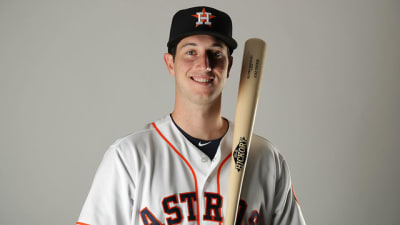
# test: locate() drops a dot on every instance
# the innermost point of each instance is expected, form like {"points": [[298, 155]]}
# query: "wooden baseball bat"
{"points": [[246, 106]]}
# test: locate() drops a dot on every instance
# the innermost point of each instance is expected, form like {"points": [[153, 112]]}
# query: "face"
{"points": [[201, 68]]}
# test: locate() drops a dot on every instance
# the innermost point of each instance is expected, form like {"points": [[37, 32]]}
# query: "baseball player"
{"points": [[176, 169]]}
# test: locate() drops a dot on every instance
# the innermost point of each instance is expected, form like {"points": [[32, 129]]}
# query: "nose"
{"points": [[204, 62]]}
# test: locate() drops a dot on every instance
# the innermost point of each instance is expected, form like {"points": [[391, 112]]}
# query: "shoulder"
{"points": [[264, 155], [137, 145], [135, 149], [142, 137], [263, 146]]}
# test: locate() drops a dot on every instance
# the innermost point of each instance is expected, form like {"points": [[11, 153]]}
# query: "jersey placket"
{"points": [[208, 176]]}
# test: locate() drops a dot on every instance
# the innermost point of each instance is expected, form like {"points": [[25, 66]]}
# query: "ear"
{"points": [[169, 62], [229, 65]]}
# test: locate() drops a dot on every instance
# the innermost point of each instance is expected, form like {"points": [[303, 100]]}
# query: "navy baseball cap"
{"points": [[201, 20]]}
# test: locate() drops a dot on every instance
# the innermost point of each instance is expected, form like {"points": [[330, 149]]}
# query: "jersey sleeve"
{"points": [[110, 199], [287, 209]]}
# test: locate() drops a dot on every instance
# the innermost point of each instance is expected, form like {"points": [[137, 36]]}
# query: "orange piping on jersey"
{"points": [[219, 172], [190, 167], [79, 223], [218, 175], [295, 197]]}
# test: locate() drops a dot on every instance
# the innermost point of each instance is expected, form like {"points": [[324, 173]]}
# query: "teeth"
{"points": [[202, 80]]}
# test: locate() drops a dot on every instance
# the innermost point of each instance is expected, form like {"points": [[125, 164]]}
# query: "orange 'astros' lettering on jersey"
{"points": [[178, 210]]}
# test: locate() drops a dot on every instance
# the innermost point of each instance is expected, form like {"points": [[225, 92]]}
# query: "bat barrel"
{"points": [[249, 89]]}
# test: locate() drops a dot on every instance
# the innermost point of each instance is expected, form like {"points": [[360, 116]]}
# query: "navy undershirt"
{"points": [[209, 147]]}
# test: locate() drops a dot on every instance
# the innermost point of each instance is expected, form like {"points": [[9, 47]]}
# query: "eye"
{"points": [[218, 54], [190, 52]]}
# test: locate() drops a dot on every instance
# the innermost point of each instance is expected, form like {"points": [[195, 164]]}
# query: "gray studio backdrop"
{"points": [[76, 75]]}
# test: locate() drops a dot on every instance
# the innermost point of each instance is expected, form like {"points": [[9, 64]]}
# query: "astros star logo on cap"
{"points": [[203, 17]]}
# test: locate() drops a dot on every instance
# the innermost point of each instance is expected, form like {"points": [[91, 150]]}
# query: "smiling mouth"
{"points": [[202, 80]]}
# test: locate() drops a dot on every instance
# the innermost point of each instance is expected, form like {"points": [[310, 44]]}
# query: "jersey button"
{"points": [[204, 159]]}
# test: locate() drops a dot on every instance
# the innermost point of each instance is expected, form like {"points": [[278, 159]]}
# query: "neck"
{"points": [[201, 121]]}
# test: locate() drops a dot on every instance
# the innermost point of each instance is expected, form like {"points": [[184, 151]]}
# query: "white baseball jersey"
{"points": [[156, 176]]}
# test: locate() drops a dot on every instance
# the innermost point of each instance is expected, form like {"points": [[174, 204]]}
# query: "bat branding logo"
{"points": [[203, 17], [250, 68], [240, 154], [257, 68]]}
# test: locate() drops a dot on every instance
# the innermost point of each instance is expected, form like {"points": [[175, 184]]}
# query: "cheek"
{"points": [[184, 63], [222, 65]]}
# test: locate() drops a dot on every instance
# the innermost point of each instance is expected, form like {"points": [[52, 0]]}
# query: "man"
{"points": [[176, 170]]}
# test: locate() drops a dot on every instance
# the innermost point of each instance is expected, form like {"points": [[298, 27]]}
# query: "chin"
{"points": [[207, 100]]}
